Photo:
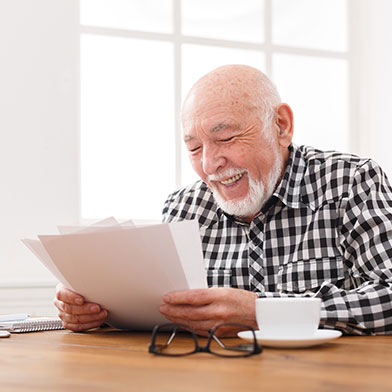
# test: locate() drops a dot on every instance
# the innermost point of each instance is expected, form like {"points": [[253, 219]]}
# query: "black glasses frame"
{"points": [[246, 350]]}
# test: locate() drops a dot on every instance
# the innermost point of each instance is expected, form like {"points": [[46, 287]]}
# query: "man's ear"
{"points": [[284, 124]]}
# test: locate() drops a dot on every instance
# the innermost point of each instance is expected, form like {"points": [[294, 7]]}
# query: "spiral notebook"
{"points": [[32, 325]]}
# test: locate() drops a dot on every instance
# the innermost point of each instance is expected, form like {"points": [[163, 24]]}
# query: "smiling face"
{"points": [[233, 152]]}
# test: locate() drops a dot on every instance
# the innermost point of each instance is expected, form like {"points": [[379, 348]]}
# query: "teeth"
{"points": [[232, 179]]}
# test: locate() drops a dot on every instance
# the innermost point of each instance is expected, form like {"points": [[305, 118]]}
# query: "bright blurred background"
{"points": [[91, 92]]}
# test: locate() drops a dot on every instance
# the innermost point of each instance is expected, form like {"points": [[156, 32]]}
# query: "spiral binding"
{"points": [[33, 325]]}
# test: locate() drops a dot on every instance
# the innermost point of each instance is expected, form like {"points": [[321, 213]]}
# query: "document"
{"points": [[124, 268]]}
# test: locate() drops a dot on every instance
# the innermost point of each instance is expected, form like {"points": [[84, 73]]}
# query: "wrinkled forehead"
{"points": [[232, 98]]}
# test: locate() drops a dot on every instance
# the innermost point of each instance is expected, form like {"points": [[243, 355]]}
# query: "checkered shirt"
{"points": [[326, 231]]}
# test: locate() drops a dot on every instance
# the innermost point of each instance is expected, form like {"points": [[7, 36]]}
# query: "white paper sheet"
{"points": [[38, 249], [127, 270], [105, 223], [187, 240]]}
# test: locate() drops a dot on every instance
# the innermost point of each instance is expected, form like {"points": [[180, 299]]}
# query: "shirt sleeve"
{"points": [[365, 239], [166, 215]]}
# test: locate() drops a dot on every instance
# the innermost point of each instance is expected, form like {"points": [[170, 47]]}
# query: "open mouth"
{"points": [[232, 180]]}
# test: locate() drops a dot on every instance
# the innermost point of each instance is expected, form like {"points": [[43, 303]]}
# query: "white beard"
{"points": [[257, 195]]}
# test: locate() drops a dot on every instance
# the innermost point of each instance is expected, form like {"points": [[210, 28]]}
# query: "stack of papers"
{"points": [[124, 268]]}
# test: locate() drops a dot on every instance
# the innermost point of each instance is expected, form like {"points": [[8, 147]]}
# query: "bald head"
{"points": [[232, 143], [241, 87]]}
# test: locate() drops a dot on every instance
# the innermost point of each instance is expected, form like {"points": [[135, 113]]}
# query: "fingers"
{"points": [[200, 327], [68, 296], [194, 313], [201, 304], [203, 309], [82, 327], [83, 318], [76, 314], [87, 308], [82, 322], [190, 297], [80, 318]]}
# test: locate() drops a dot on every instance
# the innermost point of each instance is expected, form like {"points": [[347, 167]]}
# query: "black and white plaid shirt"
{"points": [[326, 230]]}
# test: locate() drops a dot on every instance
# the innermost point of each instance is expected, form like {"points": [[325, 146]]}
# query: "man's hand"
{"points": [[202, 309], [76, 314]]}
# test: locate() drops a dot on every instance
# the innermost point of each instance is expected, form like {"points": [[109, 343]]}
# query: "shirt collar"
{"points": [[289, 189]]}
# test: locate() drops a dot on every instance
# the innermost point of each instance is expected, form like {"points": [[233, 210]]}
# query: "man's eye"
{"points": [[195, 149], [228, 139]]}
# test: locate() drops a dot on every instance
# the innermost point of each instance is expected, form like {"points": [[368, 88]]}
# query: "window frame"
{"points": [[267, 48]]}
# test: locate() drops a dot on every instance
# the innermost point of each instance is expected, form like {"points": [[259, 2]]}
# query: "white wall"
{"points": [[375, 100], [39, 153]]}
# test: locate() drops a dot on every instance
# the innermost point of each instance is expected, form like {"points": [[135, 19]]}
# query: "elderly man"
{"points": [[275, 219]]}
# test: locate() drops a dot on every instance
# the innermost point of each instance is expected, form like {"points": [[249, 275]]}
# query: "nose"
{"points": [[213, 160]]}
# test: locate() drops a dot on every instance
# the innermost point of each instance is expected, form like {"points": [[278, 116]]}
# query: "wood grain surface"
{"points": [[119, 361]]}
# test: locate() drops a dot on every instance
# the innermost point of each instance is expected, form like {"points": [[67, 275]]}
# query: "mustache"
{"points": [[226, 174]]}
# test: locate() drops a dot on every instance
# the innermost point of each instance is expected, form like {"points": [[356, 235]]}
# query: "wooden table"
{"points": [[119, 361]]}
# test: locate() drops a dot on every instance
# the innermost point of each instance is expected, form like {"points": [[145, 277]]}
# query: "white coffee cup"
{"points": [[288, 318]]}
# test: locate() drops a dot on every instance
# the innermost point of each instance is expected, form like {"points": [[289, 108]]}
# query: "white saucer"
{"points": [[321, 336]]}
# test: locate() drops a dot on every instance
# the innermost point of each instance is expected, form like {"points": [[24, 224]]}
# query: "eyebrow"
{"points": [[223, 125], [215, 129]]}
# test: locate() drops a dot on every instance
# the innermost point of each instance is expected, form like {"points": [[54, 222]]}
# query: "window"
{"points": [[140, 57]]}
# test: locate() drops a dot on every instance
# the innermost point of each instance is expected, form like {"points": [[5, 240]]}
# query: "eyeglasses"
{"points": [[173, 340]]}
